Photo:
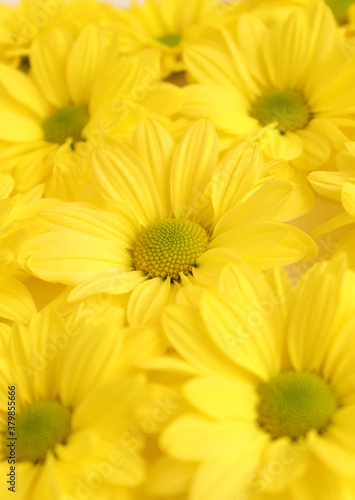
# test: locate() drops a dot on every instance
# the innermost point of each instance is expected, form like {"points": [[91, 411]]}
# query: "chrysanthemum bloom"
{"points": [[74, 409], [340, 187], [274, 400], [77, 93], [293, 77], [21, 25], [173, 216], [166, 26]]}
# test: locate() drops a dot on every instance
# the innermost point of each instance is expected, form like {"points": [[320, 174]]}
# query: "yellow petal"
{"points": [[70, 257], [48, 63], [15, 128], [155, 147], [147, 302], [16, 302], [194, 161], [223, 399], [118, 173], [235, 176], [196, 438], [22, 89], [83, 64]]}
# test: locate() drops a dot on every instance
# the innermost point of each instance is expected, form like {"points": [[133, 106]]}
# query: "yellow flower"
{"points": [[293, 78], [77, 93], [20, 26], [74, 406], [172, 216], [167, 27], [273, 401]]}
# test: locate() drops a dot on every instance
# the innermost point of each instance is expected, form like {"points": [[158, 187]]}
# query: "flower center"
{"points": [[285, 107], [340, 9], [293, 403], [169, 247], [39, 428], [170, 40], [67, 122]]}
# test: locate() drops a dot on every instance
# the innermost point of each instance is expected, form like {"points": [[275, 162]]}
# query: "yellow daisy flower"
{"points": [[74, 407], [166, 26], [284, 77], [21, 25], [273, 404], [172, 216], [77, 93]]}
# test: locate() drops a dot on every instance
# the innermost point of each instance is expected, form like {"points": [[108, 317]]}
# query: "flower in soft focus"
{"points": [[167, 27], [274, 401], [74, 407], [21, 25], [173, 216], [76, 94], [294, 78]]}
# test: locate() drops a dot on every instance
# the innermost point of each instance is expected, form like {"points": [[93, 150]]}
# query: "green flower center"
{"points": [[67, 122], [293, 403], [169, 248], [39, 427], [340, 9], [285, 107], [170, 40]]}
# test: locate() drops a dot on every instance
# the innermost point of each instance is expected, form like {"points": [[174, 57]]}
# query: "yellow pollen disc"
{"points": [[294, 403], [171, 40], [39, 427], [285, 107], [65, 123], [169, 248], [340, 9]]}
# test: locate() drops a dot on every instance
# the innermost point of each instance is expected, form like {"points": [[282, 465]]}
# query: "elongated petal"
{"points": [[193, 164], [16, 128], [223, 399], [187, 333], [22, 89], [83, 64], [236, 175], [147, 301], [196, 438], [243, 333], [48, 62], [120, 175], [155, 147], [70, 257], [16, 302]]}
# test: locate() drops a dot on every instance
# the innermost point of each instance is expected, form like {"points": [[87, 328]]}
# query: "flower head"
{"points": [[167, 27], [273, 398], [77, 93], [74, 405], [172, 216], [277, 78]]}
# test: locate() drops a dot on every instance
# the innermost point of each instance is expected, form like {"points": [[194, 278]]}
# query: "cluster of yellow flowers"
{"points": [[177, 250]]}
